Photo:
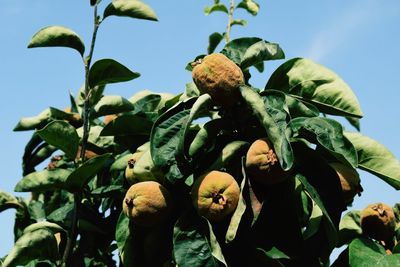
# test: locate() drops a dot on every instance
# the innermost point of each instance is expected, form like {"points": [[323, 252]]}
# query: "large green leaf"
{"points": [[43, 180], [250, 6], [299, 108], [105, 143], [112, 104], [105, 71], [61, 135], [57, 36], [47, 115], [62, 214], [191, 246], [81, 176], [130, 8], [259, 52], [38, 244], [375, 158], [8, 201], [276, 133], [317, 84], [328, 133], [166, 136], [366, 252]]}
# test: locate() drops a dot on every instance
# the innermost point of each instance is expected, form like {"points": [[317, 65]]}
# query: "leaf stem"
{"points": [[230, 20]]}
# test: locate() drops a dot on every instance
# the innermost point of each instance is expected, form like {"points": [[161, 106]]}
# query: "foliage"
{"points": [[74, 214]]}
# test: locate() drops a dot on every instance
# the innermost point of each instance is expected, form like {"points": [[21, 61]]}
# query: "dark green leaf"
{"points": [[275, 132], [49, 226], [299, 108], [191, 247], [42, 153], [213, 41], [57, 36], [128, 125], [103, 142], [112, 104], [328, 133], [314, 222], [329, 226], [39, 244], [43, 180], [108, 190], [62, 214], [317, 84], [274, 253], [8, 201], [106, 71], [81, 176], [375, 158], [130, 8], [191, 90], [259, 52], [349, 227], [214, 8], [96, 93], [366, 252], [61, 135], [250, 6], [355, 122], [236, 48]]}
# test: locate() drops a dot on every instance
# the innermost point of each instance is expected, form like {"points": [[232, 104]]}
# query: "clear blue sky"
{"points": [[357, 39]]}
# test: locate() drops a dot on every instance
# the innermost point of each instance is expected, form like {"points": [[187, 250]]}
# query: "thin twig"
{"points": [[230, 20]]}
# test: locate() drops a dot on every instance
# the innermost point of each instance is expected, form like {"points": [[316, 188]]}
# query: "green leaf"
{"points": [[275, 133], [128, 125], [36, 210], [299, 108], [43, 180], [239, 211], [57, 36], [106, 71], [214, 8], [355, 122], [274, 253], [328, 133], [365, 252], [62, 214], [250, 6], [213, 41], [259, 52], [108, 190], [191, 247], [130, 8], [240, 22], [314, 83], [112, 104], [81, 176], [105, 143], [236, 48], [375, 158], [61, 135], [53, 227], [39, 244], [96, 93], [314, 222], [39, 121], [8, 201], [349, 227]]}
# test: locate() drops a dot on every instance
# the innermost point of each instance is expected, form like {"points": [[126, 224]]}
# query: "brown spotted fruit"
{"points": [[378, 221], [147, 203], [262, 164], [219, 77], [215, 195]]}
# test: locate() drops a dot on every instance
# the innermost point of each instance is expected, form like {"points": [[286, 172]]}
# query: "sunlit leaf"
{"points": [[375, 158], [235, 49], [240, 22], [317, 84], [130, 8], [39, 244], [8, 201], [43, 180], [112, 104], [250, 6], [214, 8], [61, 135], [105, 71], [57, 36]]}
